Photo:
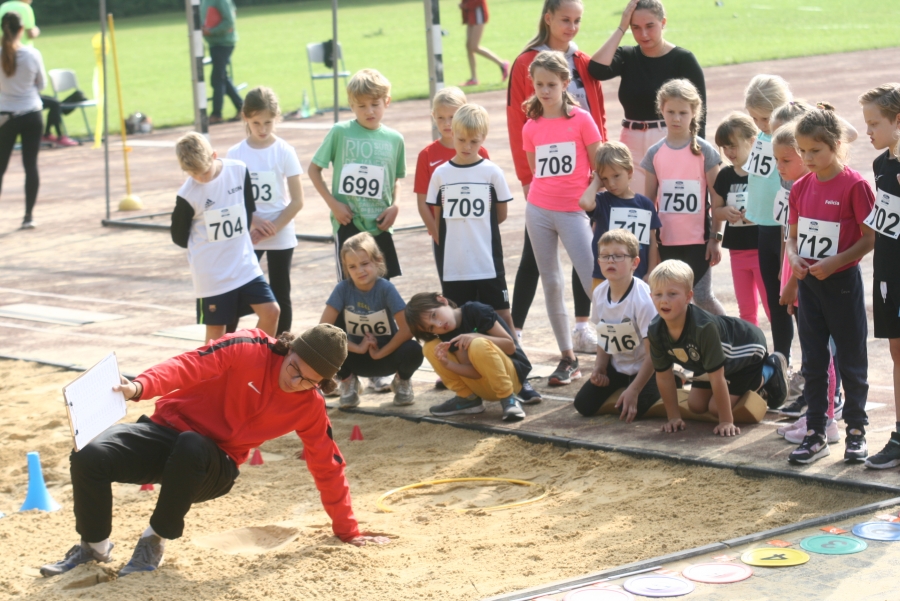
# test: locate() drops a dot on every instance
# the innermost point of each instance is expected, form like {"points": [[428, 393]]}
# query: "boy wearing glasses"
{"points": [[216, 404], [619, 207], [622, 314]]}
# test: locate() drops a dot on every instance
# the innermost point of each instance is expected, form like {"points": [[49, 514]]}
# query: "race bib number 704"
{"points": [[224, 224]]}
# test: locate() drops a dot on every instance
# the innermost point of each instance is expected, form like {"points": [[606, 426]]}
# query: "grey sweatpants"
{"points": [[545, 229]]}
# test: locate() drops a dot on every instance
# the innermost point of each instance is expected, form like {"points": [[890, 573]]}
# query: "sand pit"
{"points": [[269, 539]]}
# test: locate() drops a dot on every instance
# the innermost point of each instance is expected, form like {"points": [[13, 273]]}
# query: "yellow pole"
{"points": [[130, 202]]}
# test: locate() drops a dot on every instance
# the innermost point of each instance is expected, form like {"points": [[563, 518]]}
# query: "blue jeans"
{"points": [[221, 83]]}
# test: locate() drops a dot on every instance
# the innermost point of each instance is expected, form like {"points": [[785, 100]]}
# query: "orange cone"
{"points": [[256, 458], [147, 487], [356, 434]]}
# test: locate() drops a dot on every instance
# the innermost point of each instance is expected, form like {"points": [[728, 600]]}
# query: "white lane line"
{"points": [[112, 340], [89, 299]]}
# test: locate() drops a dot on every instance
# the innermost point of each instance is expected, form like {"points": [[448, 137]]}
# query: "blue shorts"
{"points": [[222, 310]]}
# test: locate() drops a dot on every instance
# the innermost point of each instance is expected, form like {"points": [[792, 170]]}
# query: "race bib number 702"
{"points": [[885, 215]]}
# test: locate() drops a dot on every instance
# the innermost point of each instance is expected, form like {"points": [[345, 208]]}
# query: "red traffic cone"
{"points": [[256, 458], [148, 487], [356, 434]]}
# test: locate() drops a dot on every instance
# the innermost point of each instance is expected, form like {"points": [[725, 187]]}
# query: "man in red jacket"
{"points": [[216, 404]]}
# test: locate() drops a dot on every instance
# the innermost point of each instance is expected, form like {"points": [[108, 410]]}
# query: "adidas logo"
{"points": [[209, 202]]}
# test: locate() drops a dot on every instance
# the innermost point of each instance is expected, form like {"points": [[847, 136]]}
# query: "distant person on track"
{"points": [[220, 30], [475, 17], [21, 110]]}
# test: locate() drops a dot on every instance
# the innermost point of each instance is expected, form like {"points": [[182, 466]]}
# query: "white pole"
{"points": [[195, 46], [335, 57], [435, 47], [105, 104]]}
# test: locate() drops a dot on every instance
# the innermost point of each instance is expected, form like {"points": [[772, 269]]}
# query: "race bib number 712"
{"points": [[817, 239]]}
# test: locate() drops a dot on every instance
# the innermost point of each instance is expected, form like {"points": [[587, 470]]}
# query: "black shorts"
{"points": [[222, 310], [492, 292], [886, 311], [692, 254], [385, 242], [749, 378]]}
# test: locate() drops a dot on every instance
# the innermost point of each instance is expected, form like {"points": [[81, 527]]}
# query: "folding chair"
{"points": [[64, 80], [315, 54]]}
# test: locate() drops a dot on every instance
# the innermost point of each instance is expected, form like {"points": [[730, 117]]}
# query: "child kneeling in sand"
{"points": [[731, 351], [622, 313], [474, 353]]}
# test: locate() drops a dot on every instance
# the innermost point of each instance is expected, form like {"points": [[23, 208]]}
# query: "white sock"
{"points": [[150, 532], [102, 547], [581, 325], [519, 333]]}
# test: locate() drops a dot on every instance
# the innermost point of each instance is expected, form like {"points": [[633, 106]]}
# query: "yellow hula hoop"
{"points": [[383, 507]]}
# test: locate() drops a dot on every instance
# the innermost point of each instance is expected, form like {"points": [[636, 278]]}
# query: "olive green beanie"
{"points": [[323, 348]]}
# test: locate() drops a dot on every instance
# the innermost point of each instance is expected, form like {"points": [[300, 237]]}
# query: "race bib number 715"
{"points": [[761, 161]]}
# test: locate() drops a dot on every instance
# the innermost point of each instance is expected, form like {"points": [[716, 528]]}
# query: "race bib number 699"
{"points": [[362, 180]]}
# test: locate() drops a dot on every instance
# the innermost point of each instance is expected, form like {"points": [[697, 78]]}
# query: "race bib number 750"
{"points": [[680, 196]]}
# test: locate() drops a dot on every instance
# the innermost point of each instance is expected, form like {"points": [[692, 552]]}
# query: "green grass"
{"points": [[390, 36]]}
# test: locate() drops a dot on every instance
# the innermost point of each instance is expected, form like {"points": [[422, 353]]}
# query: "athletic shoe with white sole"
{"points": [[349, 392], [458, 406], [336, 391], [147, 556], [512, 409], [584, 340], [832, 433], [855, 445], [812, 448], [800, 425], [795, 388], [403, 392], [380, 383], [77, 555], [529, 396], [777, 387], [794, 408], [838, 406], [566, 371], [888, 457]]}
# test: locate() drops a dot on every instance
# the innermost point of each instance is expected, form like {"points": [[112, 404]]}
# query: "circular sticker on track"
{"points": [[773, 557], [832, 544], [878, 531], [717, 573], [659, 585], [598, 594]]}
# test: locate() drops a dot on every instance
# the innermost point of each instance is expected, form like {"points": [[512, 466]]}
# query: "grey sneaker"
{"points": [[512, 409], [147, 556], [76, 556], [349, 392], [380, 384], [28, 224], [457, 406], [584, 340], [403, 391], [337, 390]]}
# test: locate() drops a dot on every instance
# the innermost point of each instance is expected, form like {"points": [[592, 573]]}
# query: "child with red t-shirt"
{"points": [[826, 240]]}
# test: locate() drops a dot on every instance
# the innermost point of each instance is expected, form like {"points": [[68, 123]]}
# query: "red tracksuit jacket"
{"points": [[229, 392]]}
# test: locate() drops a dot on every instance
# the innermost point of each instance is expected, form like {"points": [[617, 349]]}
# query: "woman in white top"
{"points": [[21, 80]]}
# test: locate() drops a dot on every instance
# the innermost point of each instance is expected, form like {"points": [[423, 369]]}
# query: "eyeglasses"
{"points": [[613, 258], [294, 373]]}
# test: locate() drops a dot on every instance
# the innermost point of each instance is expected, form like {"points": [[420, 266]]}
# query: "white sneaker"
{"points": [[380, 384], [796, 436], [403, 391], [349, 392], [800, 424], [584, 340]]}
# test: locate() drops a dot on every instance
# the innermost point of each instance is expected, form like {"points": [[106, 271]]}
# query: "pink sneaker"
{"points": [[800, 424], [49, 138], [67, 141], [832, 433], [471, 82], [504, 69]]}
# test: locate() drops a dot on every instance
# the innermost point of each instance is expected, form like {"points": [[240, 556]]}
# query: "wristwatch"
{"points": [[718, 236]]}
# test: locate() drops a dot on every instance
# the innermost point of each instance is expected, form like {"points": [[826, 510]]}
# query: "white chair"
{"points": [[62, 81], [315, 55]]}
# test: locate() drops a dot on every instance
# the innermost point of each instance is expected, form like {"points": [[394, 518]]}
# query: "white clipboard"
{"points": [[91, 404]]}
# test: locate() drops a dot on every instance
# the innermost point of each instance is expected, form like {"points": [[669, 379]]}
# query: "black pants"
{"points": [[591, 397], [280, 283], [527, 278], [221, 82], [190, 468], [834, 307], [769, 266], [29, 127], [54, 115], [385, 242], [404, 361]]}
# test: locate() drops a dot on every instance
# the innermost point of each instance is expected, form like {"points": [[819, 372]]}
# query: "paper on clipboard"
{"points": [[91, 403]]}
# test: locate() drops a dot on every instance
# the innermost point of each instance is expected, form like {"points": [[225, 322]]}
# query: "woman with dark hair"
{"points": [[21, 80], [644, 68], [559, 24]]}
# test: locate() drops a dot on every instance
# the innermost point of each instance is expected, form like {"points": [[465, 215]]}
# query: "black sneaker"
{"points": [[889, 455], [529, 396], [813, 447], [457, 406], [776, 388], [147, 556], [76, 556], [512, 409], [855, 445], [795, 408], [566, 371]]}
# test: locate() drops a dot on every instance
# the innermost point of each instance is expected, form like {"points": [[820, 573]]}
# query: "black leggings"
{"points": [[54, 115], [769, 266], [280, 283], [404, 361], [190, 467], [28, 126], [527, 278]]}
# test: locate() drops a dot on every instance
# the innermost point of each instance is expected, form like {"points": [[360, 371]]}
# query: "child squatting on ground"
{"points": [[212, 220], [473, 351], [729, 351]]}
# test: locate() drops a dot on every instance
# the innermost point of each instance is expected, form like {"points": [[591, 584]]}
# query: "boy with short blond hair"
{"points": [[368, 160], [729, 351], [212, 220], [623, 311]]}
